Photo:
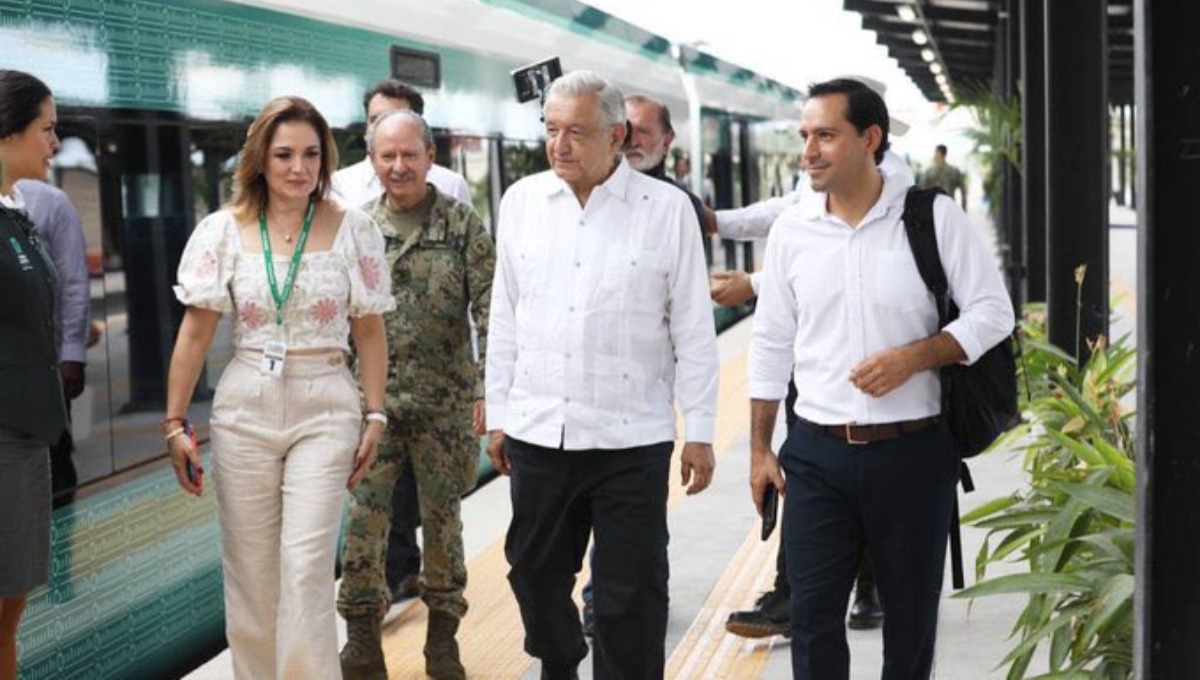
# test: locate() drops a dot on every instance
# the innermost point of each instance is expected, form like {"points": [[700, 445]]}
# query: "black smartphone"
{"points": [[770, 507], [194, 474]]}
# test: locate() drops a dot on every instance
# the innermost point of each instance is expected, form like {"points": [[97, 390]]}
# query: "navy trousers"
{"points": [[893, 498], [403, 551], [559, 498]]}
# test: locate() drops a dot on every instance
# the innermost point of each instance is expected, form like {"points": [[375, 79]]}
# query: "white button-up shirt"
{"points": [[600, 316], [355, 185], [831, 296]]}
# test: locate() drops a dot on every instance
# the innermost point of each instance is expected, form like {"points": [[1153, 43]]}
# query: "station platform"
{"points": [[719, 565]]}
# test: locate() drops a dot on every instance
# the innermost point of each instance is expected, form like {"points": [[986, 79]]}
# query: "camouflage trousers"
{"points": [[445, 457]]}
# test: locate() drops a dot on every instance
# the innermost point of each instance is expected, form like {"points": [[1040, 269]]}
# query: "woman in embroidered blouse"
{"points": [[299, 275], [32, 414]]}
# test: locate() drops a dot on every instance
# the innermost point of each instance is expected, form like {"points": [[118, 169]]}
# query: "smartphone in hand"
{"points": [[770, 508], [195, 474]]}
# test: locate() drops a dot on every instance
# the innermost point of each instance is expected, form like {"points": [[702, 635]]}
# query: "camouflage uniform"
{"points": [[945, 176], [432, 385]]}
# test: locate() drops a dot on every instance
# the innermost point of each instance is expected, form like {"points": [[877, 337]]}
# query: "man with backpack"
{"points": [[869, 461]]}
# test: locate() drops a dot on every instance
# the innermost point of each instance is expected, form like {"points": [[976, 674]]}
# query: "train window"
{"points": [[472, 158], [522, 158]]}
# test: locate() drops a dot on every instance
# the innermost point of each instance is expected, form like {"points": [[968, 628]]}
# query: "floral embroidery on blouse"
{"points": [[252, 315], [332, 286], [370, 271], [206, 268], [324, 311]]}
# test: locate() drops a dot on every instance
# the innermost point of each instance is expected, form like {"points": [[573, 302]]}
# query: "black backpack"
{"points": [[979, 402]]}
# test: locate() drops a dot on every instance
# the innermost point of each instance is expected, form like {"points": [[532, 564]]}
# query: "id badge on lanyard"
{"points": [[275, 352], [273, 358]]}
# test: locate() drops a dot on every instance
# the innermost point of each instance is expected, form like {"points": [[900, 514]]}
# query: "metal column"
{"points": [[1014, 217], [1077, 155], [1167, 601], [1033, 146]]}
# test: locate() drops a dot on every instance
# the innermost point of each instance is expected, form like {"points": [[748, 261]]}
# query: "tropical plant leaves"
{"points": [[1072, 525]]}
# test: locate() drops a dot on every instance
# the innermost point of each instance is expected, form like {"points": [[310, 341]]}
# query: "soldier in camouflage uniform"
{"points": [[944, 176], [441, 261]]}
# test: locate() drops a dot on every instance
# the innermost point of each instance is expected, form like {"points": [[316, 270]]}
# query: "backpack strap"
{"points": [[919, 226]]}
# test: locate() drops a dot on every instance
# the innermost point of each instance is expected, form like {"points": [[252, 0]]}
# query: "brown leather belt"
{"points": [[871, 434]]}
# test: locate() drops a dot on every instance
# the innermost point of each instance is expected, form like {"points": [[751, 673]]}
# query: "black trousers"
{"points": [[894, 498], [620, 496], [403, 552]]}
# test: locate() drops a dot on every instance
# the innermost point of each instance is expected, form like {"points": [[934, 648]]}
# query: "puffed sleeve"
{"points": [[207, 265], [370, 282]]}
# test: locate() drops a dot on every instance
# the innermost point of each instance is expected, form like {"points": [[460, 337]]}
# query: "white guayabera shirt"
{"points": [[600, 316]]}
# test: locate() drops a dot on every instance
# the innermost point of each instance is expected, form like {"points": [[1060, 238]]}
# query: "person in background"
{"points": [[600, 321], [33, 415], [944, 176], [441, 260], [649, 143], [62, 235], [358, 185], [682, 169], [869, 463], [291, 429]]}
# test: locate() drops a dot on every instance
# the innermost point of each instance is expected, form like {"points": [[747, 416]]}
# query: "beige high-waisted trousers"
{"points": [[283, 449]]}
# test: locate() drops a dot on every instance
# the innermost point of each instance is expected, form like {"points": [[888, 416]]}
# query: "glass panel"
{"points": [[472, 157], [149, 208], [521, 158], [75, 170]]}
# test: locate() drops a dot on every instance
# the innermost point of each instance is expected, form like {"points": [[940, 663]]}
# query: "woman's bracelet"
{"points": [[172, 419], [378, 415], [173, 434]]}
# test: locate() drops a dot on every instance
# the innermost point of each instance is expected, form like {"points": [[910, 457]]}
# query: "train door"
{"points": [[128, 175]]}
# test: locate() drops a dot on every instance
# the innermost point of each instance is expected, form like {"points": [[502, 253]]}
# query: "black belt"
{"points": [[871, 434]]}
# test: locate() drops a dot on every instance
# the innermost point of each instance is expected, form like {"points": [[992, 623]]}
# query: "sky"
{"points": [[797, 42]]}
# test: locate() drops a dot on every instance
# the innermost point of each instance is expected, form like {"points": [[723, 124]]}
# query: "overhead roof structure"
{"points": [[959, 38]]}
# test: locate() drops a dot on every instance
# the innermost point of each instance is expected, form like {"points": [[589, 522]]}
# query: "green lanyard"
{"points": [[282, 298]]}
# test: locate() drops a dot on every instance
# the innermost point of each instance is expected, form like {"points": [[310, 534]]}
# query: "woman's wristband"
{"points": [[173, 434], [377, 415]]}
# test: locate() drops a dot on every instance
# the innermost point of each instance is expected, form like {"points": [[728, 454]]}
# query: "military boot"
{"points": [[441, 649], [362, 657]]}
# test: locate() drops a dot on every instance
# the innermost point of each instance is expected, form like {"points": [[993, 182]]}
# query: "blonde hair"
{"points": [[249, 183]]}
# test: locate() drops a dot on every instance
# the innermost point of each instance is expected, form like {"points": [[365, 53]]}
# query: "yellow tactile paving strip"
{"points": [[706, 650], [491, 637]]}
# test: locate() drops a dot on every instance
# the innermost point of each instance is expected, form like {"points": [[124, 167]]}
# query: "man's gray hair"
{"points": [[576, 83], [426, 133]]}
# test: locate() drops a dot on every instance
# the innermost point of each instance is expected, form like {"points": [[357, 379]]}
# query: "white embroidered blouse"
{"points": [[348, 280]]}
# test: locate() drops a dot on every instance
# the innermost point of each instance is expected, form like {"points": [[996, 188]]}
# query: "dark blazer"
{"points": [[31, 396]]}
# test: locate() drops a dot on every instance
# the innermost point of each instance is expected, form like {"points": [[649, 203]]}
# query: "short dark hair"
{"points": [[940, 148], [664, 114], [21, 98], [864, 107], [395, 89]]}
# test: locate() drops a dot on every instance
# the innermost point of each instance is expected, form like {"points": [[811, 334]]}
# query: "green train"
{"points": [[154, 99]]}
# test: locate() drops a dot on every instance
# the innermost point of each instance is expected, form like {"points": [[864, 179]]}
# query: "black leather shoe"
{"points": [[865, 613], [589, 619], [771, 616]]}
